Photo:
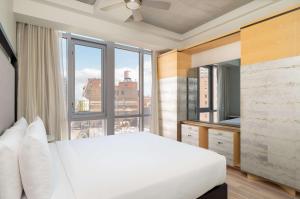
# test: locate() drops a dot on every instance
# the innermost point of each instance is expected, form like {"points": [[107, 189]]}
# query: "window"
{"points": [[133, 77], [87, 128], [85, 88], [126, 82], [208, 93], [109, 91], [127, 125], [147, 83], [88, 79]]}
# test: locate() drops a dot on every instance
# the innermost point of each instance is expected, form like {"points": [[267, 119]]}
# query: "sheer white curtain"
{"points": [[40, 87], [154, 125]]}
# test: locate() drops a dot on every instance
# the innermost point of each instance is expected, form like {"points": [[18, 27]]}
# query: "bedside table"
{"points": [[50, 138]]}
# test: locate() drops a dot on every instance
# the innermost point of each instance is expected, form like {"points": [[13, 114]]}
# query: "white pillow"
{"points": [[35, 162], [10, 179]]}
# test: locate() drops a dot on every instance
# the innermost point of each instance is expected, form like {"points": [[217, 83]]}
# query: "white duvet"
{"points": [[134, 166]]}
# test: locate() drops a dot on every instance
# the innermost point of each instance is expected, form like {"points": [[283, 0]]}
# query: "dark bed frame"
{"points": [[219, 192]]}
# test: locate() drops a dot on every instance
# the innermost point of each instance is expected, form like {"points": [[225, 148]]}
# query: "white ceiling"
{"points": [[185, 15], [75, 16]]}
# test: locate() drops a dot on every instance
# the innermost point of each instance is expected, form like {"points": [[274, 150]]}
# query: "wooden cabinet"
{"points": [[220, 138], [190, 135], [226, 143], [194, 135], [172, 69]]}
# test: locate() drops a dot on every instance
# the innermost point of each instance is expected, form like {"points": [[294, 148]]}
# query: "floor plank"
{"points": [[239, 187]]}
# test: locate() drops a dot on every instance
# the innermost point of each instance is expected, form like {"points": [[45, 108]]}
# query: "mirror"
{"points": [[214, 92]]}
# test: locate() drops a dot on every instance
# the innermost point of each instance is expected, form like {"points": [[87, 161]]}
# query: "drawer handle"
{"points": [[189, 135], [220, 142]]}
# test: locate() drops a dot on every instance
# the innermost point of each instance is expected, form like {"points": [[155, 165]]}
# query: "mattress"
{"points": [[134, 166], [62, 189]]}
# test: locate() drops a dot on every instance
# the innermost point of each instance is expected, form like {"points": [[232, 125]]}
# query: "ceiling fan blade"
{"points": [[137, 15], [108, 4], [157, 4]]}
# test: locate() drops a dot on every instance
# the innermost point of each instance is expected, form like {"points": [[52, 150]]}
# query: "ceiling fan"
{"points": [[133, 5]]}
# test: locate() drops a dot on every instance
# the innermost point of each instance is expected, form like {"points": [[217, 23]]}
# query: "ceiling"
{"points": [[185, 15], [187, 23]]}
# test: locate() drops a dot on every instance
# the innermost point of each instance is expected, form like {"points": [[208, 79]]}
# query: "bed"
{"points": [[126, 166], [134, 166]]}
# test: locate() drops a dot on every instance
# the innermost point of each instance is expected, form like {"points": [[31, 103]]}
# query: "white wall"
{"points": [[216, 55], [7, 20]]}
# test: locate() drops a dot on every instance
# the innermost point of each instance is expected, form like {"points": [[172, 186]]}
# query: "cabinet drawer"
{"points": [[190, 135], [190, 128], [222, 143], [226, 135]]}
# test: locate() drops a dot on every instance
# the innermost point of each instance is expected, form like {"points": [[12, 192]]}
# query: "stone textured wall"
{"points": [[172, 103], [270, 120]]}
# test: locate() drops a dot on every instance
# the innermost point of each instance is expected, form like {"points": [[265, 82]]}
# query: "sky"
{"points": [[88, 65]]}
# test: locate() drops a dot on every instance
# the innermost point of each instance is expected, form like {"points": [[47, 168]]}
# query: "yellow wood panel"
{"points": [[272, 39], [236, 149], [184, 63], [203, 137], [167, 65], [234, 37], [212, 125], [173, 64]]}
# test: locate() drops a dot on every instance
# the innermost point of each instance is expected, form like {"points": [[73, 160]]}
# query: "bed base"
{"points": [[219, 192]]}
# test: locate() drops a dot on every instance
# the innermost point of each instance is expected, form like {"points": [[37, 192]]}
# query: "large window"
{"points": [[85, 89], [127, 97], [97, 105], [132, 89]]}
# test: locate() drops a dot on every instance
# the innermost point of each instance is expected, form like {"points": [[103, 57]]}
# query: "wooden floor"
{"points": [[240, 187]]}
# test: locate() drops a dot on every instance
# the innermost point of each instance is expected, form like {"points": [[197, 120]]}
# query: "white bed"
{"points": [[134, 166]]}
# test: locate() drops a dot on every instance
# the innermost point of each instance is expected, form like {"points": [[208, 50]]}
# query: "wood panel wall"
{"points": [[221, 41], [173, 64], [172, 72], [272, 39], [270, 95]]}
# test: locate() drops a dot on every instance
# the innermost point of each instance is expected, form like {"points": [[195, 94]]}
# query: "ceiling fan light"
{"points": [[133, 4]]}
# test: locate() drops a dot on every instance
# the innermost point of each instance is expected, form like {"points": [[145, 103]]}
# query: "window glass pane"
{"points": [[147, 121], [204, 117], [87, 129], [88, 81], [126, 125], [204, 86], [126, 82], [147, 83]]}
